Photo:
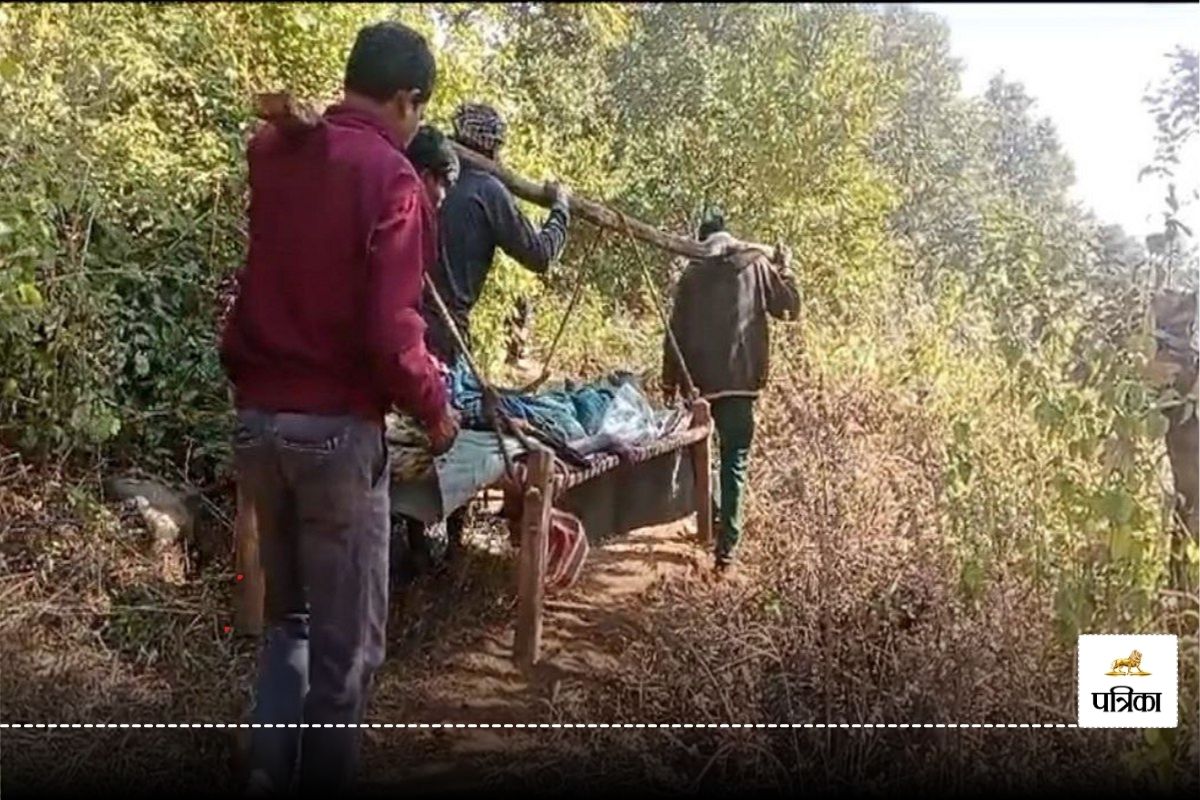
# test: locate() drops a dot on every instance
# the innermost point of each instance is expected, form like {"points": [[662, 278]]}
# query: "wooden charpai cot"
{"points": [[542, 477]]}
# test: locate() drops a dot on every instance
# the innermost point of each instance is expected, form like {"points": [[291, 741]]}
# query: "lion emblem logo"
{"points": [[1134, 662]]}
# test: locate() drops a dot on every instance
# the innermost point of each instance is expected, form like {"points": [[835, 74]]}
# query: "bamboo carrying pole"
{"points": [[281, 109], [598, 214]]}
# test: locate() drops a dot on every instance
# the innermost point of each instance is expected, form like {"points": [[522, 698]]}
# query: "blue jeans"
{"points": [[319, 489]]}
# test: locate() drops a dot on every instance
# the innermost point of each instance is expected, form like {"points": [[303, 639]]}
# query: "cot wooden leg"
{"points": [[248, 595], [702, 468], [531, 568]]}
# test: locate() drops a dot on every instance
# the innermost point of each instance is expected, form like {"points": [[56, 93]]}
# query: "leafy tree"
{"points": [[936, 245], [1175, 104]]}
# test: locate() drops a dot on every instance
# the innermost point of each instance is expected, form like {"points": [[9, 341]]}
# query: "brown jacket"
{"points": [[720, 321]]}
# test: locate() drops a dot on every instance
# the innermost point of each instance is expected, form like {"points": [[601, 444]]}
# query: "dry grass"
{"points": [[93, 629], [848, 610], [90, 631]]}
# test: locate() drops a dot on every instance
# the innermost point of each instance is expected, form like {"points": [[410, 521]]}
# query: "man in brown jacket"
{"points": [[719, 319]]}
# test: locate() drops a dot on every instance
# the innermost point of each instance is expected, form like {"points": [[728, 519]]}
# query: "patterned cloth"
{"points": [[408, 444], [479, 126], [566, 543]]}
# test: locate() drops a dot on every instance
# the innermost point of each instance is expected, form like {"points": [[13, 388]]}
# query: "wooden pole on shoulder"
{"points": [[280, 108]]}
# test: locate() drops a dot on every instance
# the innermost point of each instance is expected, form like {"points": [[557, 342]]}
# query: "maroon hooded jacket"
{"points": [[328, 312]]}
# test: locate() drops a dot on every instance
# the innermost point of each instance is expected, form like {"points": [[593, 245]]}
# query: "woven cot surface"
{"points": [[411, 460], [566, 477]]}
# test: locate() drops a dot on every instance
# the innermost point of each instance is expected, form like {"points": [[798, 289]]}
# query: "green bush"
{"points": [[935, 241]]}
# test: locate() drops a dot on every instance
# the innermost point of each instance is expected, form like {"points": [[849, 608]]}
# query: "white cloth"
{"points": [[473, 462]]}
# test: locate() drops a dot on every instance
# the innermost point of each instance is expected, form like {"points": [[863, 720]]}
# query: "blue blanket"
{"points": [[609, 415], [568, 414]]}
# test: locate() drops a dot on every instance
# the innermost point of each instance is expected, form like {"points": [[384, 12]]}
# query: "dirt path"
{"points": [[467, 674]]}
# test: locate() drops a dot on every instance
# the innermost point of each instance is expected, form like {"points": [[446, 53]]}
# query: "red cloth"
{"points": [[566, 543], [328, 312], [567, 549]]}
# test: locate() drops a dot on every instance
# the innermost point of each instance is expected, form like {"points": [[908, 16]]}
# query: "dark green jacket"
{"points": [[720, 321]]}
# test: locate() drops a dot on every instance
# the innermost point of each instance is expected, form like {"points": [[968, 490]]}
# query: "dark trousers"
{"points": [[733, 417], [416, 545], [319, 487]]}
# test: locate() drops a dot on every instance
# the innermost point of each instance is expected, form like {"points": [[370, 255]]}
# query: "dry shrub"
{"points": [[91, 631], [849, 611]]}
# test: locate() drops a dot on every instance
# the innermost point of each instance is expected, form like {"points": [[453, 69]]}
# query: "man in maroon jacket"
{"points": [[325, 335]]}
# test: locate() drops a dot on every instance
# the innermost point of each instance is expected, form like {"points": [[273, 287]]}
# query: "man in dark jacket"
{"points": [[325, 335], [478, 216], [719, 319]]}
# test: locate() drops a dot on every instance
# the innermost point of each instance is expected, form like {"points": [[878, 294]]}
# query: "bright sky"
{"points": [[1088, 65]]}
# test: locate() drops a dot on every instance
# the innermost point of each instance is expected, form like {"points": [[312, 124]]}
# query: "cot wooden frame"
{"points": [[540, 482]]}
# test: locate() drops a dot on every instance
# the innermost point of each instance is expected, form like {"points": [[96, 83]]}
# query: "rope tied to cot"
{"points": [[492, 412]]}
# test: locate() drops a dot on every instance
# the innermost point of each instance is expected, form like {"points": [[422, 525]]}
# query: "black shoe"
{"points": [[456, 523], [421, 543]]}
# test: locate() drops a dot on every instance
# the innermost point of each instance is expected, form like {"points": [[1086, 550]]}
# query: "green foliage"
{"points": [[121, 206], [777, 133], [1175, 105], [935, 242]]}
